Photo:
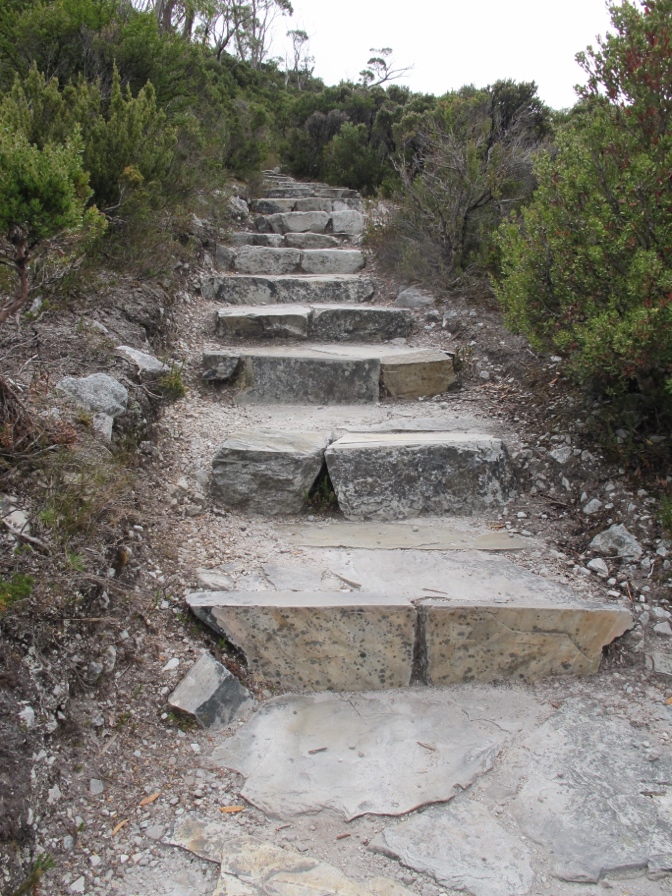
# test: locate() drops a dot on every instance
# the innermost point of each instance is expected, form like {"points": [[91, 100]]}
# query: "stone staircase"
{"points": [[300, 337]]}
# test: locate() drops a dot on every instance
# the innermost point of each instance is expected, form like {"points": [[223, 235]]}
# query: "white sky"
{"points": [[451, 43]]}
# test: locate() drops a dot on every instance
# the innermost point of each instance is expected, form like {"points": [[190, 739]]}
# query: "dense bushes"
{"points": [[588, 269]]}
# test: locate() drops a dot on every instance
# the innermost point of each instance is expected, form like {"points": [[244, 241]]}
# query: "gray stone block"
{"points": [[264, 322], [224, 257], [369, 323], [270, 240], [414, 298], [249, 290], [332, 261], [300, 222], [147, 366], [307, 378], [402, 475], [310, 241], [268, 473], [209, 693], [220, 366], [98, 393], [313, 204], [351, 222], [272, 206], [259, 260]]}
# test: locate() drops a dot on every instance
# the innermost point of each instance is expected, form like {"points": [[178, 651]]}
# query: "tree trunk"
{"points": [[19, 239]]}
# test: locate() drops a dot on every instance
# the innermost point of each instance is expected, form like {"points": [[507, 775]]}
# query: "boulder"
{"points": [[617, 541], [350, 222], [331, 261], [209, 693], [238, 207], [98, 393], [414, 298], [258, 260], [266, 472], [388, 476]]}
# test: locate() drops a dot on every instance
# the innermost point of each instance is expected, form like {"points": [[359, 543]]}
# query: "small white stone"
{"points": [[78, 886], [171, 665], [663, 628]]}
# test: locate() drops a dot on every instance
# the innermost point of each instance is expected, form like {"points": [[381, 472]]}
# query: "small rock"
{"points": [[155, 832], [414, 298], [95, 861], [54, 794], [68, 843], [599, 566], [663, 628], [209, 693], [78, 886], [171, 665], [27, 716], [96, 787], [616, 540], [103, 424], [593, 506], [561, 455], [147, 366]]}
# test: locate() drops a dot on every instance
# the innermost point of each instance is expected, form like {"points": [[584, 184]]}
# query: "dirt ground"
{"points": [[94, 768]]}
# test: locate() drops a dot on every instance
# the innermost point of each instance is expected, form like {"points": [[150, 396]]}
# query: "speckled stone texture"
{"points": [[251, 290], [421, 373], [399, 475]]}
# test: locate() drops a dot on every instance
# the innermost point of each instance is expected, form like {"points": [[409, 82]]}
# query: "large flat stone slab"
{"points": [[300, 222], [419, 373], [463, 847], [368, 323], [332, 261], [588, 792], [310, 241], [402, 475], [269, 240], [325, 641], [386, 753], [251, 290], [349, 221], [263, 322], [250, 866], [437, 535], [259, 260], [267, 473]]}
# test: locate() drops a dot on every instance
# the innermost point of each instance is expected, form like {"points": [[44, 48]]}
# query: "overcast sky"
{"points": [[452, 43]]}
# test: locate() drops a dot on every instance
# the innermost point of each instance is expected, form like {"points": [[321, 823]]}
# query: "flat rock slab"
{"points": [[242, 238], [330, 323], [416, 374], [260, 260], [267, 473], [332, 261], [253, 867], [264, 322], [384, 753], [209, 693], [349, 221], [417, 535], [325, 641], [310, 241], [250, 290], [589, 793], [402, 475], [463, 847]]}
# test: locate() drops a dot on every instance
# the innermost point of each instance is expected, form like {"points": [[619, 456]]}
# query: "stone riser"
{"points": [[348, 221], [304, 204], [325, 323], [354, 642], [241, 289], [258, 260], [277, 241], [315, 379]]}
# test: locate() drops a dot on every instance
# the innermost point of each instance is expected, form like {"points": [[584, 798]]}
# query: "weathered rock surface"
{"points": [[147, 366], [583, 794], [324, 641], [258, 260], [273, 206], [368, 323], [264, 321], [385, 753], [332, 261], [98, 393], [220, 366], [300, 222], [268, 473], [454, 844], [617, 541], [350, 222], [311, 241], [313, 204], [271, 240], [305, 377], [400, 475], [414, 298], [250, 290], [252, 867], [416, 374], [209, 693]]}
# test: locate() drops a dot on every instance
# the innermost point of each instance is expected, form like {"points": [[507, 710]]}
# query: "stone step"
{"points": [[387, 476], [347, 221], [319, 322], [305, 204], [273, 261], [329, 374], [493, 621], [278, 241], [244, 289]]}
